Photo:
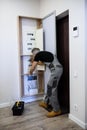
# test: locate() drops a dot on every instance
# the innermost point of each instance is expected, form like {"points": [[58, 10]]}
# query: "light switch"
{"points": [[75, 31]]}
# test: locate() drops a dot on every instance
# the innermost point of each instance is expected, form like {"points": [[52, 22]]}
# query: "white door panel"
{"points": [[50, 33], [49, 39]]}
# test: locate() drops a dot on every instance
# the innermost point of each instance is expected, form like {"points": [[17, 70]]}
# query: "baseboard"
{"points": [[79, 122], [31, 99], [25, 99], [2, 105]]}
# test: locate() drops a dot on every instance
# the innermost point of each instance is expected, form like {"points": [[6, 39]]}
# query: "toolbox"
{"points": [[18, 108]]}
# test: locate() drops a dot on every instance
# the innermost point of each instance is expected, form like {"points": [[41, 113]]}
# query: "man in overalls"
{"points": [[56, 69]]}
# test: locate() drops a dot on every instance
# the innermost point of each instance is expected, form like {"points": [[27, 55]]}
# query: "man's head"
{"points": [[35, 51]]}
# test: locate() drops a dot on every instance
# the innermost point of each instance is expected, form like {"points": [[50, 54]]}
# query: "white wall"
{"points": [[86, 59], [76, 52], [9, 62]]}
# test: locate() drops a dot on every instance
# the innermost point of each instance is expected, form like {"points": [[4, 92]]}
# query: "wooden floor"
{"points": [[34, 118]]}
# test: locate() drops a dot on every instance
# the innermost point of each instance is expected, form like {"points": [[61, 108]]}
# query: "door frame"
{"points": [[59, 17]]}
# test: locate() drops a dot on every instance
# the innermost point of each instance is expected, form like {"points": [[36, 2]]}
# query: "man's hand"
{"points": [[31, 71], [34, 64], [40, 63]]}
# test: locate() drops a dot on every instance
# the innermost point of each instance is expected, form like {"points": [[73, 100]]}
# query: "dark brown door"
{"points": [[62, 35]]}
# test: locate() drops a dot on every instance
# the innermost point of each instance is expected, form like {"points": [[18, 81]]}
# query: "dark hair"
{"points": [[34, 49]]}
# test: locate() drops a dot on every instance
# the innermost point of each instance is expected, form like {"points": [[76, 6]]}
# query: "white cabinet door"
{"points": [[49, 29]]}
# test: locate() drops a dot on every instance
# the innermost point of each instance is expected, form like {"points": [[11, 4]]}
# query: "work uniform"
{"points": [[56, 70]]}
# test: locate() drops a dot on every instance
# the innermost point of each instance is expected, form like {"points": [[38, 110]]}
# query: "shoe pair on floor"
{"points": [[49, 114]]}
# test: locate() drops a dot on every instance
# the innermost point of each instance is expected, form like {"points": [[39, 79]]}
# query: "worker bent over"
{"points": [[56, 69]]}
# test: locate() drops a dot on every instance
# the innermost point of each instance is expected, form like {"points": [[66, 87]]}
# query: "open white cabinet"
{"points": [[35, 32], [30, 36]]}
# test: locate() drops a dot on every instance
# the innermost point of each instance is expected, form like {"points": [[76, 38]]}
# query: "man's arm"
{"points": [[34, 64]]}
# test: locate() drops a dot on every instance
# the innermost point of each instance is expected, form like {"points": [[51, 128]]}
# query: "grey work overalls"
{"points": [[51, 96]]}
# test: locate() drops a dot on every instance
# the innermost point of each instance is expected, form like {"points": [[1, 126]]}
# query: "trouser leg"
{"points": [[49, 91], [52, 91]]}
